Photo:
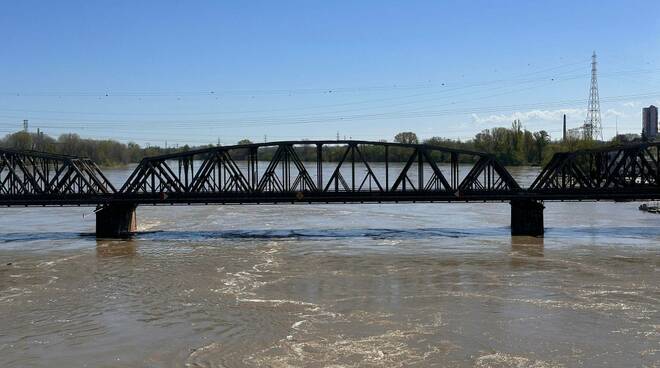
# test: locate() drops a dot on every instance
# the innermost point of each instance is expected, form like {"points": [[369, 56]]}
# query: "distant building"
{"points": [[650, 122], [574, 134]]}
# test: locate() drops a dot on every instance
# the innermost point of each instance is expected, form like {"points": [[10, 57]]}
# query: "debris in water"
{"points": [[650, 208]]}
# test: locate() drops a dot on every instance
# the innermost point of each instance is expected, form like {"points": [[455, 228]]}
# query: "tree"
{"points": [[542, 139], [244, 141], [19, 140], [406, 138]]}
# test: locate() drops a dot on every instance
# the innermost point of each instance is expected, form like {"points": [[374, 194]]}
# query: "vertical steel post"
{"points": [[387, 169], [319, 167], [352, 167], [454, 170], [420, 170]]}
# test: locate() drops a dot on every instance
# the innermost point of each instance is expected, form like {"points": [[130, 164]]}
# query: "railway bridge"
{"points": [[315, 172]]}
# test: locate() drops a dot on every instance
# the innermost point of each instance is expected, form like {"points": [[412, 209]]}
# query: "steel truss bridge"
{"points": [[328, 172]]}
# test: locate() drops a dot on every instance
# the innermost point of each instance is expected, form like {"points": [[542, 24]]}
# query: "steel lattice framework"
{"points": [[592, 124], [28, 176], [332, 171], [328, 171], [630, 172]]}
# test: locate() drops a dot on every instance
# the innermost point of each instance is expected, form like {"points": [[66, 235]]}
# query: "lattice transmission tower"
{"points": [[592, 127]]}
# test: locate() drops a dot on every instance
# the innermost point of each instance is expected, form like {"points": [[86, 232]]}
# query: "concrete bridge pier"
{"points": [[116, 220], [526, 217]]}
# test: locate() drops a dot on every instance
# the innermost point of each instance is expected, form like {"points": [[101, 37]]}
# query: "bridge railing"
{"points": [[30, 174], [318, 168]]}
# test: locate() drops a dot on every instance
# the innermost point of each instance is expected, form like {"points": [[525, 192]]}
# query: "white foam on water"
{"points": [[147, 225], [389, 349], [44, 264], [12, 293], [297, 325], [198, 358], [276, 302], [504, 360]]}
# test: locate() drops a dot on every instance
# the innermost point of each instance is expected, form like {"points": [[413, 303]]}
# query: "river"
{"points": [[371, 285]]}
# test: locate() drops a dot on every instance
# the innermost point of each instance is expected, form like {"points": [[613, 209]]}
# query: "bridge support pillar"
{"points": [[116, 220], [526, 217]]}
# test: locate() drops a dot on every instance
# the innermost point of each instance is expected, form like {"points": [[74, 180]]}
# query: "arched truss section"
{"points": [[318, 170], [33, 175], [617, 170]]}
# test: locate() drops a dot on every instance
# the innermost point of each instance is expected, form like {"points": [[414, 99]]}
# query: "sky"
{"points": [[199, 72]]}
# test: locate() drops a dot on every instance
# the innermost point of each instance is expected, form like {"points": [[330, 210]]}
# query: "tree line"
{"points": [[105, 152], [511, 146]]}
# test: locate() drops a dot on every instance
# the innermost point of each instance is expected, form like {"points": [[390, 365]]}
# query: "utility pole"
{"points": [[25, 125], [337, 135], [564, 136], [616, 124]]}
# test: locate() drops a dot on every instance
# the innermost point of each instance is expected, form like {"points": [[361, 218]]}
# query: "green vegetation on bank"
{"points": [[512, 146], [105, 152]]}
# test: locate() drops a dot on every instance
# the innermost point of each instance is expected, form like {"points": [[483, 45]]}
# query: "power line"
{"points": [[282, 117], [317, 119], [251, 92]]}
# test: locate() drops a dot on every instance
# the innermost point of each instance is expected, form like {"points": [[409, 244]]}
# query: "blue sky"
{"points": [[201, 71]]}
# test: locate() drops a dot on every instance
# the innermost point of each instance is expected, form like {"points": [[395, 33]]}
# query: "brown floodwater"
{"points": [[373, 285]]}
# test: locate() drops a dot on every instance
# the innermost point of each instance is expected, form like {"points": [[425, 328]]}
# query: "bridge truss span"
{"points": [[624, 172], [319, 171], [33, 178], [328, 172]]}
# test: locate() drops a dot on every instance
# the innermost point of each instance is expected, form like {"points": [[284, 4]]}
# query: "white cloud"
{"points": [[639, 104], [614, 113], [538, 117], [531, 116]]}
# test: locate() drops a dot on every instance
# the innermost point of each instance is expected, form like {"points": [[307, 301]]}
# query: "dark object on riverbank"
{"points": [[648, 208]]}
